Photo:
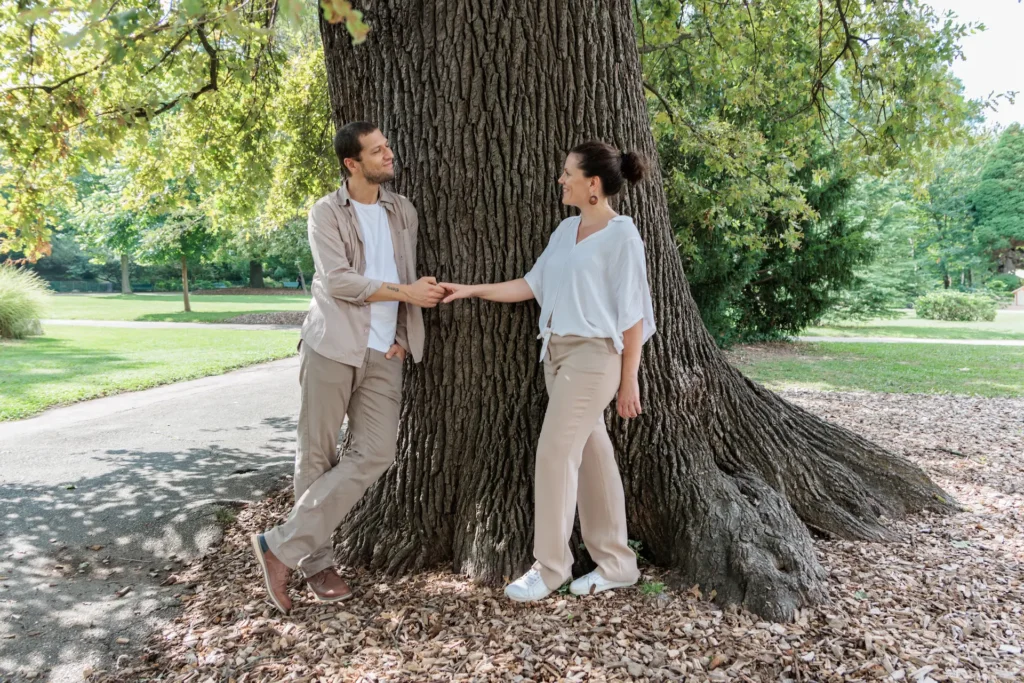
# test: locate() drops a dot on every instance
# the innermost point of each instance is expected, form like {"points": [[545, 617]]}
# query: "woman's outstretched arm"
{"points": [[509, 292]]}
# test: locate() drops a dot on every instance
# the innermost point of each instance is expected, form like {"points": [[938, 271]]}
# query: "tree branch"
{"points": [[142, 113], [679, 40], [170, 51], [664, 102], [50, 89]]}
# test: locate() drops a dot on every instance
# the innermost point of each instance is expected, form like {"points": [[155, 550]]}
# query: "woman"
{"points": [[591, 284]]}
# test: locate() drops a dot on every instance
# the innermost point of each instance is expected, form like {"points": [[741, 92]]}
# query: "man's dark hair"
{"points": [[347, 144]]}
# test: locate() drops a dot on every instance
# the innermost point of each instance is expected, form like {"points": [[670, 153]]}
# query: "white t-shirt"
{"points": [[597, 288], [380, 265]]}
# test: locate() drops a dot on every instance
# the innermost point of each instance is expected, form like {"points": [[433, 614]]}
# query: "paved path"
{"points": [[915, 340], [143, 475], [140, 325]]}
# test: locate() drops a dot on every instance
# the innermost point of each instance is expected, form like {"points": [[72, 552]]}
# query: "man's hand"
{"points": [[395, 350], [629, 398], [425, 292]]}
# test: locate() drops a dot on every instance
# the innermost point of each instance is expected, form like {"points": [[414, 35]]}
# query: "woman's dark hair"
{"points": [[348, 143], [610, 165]]}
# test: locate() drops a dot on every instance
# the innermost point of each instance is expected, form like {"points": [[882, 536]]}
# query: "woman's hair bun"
{"points": [[634, 167]]}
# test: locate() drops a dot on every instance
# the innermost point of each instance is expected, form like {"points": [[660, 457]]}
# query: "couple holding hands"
{"points": [[366, 316]]}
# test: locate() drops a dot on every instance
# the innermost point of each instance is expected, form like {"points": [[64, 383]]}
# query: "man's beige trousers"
{"points": [[326, 488], [575, 455]]}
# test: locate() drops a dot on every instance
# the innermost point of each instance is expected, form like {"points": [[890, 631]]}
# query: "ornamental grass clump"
{"points": [[23, 299]]}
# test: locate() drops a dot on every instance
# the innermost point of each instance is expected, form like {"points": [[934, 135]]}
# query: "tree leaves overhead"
{"points": [[339, 11], [81, 78]]}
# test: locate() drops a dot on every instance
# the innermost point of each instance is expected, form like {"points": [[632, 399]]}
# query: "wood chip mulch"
{"points": [[946, 603], [272, 318]]}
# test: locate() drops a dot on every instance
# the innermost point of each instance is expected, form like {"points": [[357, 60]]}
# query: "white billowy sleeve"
{"points": [[633, 294], [535, 278]]}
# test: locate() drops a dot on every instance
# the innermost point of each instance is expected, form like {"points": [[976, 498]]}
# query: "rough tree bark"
{"points": [[723, 479]]}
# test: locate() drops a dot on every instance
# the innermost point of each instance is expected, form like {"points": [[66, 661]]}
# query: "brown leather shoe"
{"points": [[327, 586], [275, 574]]}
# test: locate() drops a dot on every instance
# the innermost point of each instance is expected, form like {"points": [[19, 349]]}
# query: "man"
{"points": [[364, 318]]}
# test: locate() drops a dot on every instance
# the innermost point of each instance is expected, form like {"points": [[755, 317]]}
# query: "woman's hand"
{"points": [[629, 397], [456, 291]]}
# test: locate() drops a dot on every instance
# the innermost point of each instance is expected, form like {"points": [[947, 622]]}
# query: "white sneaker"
{"points": [[595, 583], [528, 587]]}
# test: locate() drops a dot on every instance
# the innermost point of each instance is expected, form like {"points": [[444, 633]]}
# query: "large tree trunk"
{"points": [[184, 283], [256, 274], [723, 479], [126, 284]]}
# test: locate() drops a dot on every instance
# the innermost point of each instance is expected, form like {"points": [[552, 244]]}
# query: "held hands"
{"points": [[629, 398], [425, 292], [455, 291]]}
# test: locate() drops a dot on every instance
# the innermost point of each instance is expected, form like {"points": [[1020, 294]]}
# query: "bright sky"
{"points": [[995, 57]]}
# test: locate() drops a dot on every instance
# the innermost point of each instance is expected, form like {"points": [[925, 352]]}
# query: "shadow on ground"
{"points": [[69, 552]]}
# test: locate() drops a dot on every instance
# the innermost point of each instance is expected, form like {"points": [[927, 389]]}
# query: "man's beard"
{"points": [[379, 177]]}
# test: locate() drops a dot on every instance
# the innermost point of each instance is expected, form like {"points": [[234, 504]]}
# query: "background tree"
{"points": [[100, 224], [998, 201], [951, 241], [893, 221], [178, 237]]}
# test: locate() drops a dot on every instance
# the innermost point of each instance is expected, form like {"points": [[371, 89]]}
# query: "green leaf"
{"points": [[117, 53], [124, 21], [193, 7], [34, 14], [73, 39]]}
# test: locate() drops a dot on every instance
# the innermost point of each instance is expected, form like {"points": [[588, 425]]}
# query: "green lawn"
{"points": [[71, 364], [168, 307], [1007, 325], [891, 368]]}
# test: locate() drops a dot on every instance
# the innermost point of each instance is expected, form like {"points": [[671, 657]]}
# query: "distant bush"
{"points": [[959, 306], [1003, 282], [1001, 286], [209, 284], [167, 285], [23, 299]]}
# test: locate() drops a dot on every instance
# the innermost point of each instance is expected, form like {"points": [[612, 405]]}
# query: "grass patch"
{"points": [[168, 307], [1007, 325], [225, 516], [71, 363], [991, 371], [652, 588]]}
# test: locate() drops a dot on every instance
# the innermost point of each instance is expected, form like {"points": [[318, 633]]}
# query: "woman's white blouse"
{"points": [[597, 288]]}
